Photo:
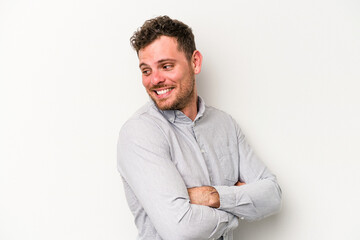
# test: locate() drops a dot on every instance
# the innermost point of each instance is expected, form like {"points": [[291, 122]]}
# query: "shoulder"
{"points": [[145, 123], [218, 115], [222, 119]]}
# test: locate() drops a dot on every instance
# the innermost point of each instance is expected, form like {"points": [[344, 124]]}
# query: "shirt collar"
{"points": [[177, 116]]}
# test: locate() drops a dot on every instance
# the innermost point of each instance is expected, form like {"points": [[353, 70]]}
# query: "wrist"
{"points": [[214, 198]]}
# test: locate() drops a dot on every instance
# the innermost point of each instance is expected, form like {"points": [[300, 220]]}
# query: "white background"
{"points": [[287, 71]]}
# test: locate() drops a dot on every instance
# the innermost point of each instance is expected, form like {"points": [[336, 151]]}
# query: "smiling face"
{"points": [[168, 76]]}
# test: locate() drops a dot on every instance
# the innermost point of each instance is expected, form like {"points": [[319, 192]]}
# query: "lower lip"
{"points": [[164, 94]]}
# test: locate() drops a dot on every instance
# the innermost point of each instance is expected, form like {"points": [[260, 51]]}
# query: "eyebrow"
{"points": [[159, 62]]}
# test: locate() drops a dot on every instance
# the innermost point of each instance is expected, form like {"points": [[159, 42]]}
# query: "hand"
{"points": [[239, 184], [204, 195]]}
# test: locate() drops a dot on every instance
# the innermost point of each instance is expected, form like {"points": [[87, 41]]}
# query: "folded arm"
{"points": [[207, 195], [145, 164], [256, 195]]}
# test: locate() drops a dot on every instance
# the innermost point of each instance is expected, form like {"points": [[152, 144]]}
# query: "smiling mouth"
{"points": [[161, 92]]}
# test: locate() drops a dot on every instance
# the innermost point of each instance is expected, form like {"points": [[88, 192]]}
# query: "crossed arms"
{"points": [[206, 195], [205, 212]]}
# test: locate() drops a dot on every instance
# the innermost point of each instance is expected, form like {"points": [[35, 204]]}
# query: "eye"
{"points": [[145, 72], [167, 66]]}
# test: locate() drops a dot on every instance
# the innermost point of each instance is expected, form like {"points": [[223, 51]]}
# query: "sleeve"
{"points": [[144, 161], [260, 196]]}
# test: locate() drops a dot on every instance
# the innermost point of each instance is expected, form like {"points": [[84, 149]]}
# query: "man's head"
{"points": [[164, 26], [168, 62]]}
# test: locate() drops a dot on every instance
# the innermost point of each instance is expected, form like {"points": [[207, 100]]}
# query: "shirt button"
{"points": [[242, 218], [202, 150]]}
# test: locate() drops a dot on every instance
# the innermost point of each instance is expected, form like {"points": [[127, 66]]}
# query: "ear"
{"points": [[196, 61]]}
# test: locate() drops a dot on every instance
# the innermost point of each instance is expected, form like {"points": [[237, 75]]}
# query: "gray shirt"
{"points": [[162, 153]]}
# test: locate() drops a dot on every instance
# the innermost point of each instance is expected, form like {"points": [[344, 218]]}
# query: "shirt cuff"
{"points": [[231, 197], [227, 197]]}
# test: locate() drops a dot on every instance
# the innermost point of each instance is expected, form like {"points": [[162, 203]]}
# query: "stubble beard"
{"points": [[182, 100]]}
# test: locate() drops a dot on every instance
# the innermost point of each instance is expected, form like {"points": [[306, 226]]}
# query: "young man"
{"points": [[187, 170]]}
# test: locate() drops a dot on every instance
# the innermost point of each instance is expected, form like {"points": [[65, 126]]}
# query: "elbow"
{"points": [[185, 221], [273, 202], [279, 202], [277, 198], [182, 231], [273, 206], [269, 204], [190, 226]]}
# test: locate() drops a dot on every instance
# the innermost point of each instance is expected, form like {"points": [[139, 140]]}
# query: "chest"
{"points": [[205, 155]]}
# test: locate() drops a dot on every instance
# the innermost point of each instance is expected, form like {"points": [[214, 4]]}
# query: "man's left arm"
{"points": [[255, 196]]}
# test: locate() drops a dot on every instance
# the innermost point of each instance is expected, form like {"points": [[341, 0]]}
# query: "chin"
{"points": [[165, 106]]}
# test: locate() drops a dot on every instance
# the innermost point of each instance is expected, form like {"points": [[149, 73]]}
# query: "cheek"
{"points": [[182, 74], [175, 77], [145, 82]]}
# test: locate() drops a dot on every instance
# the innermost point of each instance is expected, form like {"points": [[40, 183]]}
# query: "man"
{"points": [[187, 170]]}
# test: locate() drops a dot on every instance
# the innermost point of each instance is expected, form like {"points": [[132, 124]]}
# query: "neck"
{"points": [[191, 109]]}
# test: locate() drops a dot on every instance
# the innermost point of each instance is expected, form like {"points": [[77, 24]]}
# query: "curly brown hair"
{"points": [[164, 26]]}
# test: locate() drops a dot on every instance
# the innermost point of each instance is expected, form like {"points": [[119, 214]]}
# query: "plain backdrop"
{"points": [[287, 71]]}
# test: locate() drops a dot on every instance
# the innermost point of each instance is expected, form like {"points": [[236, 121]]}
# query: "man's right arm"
{"points": [[144, 161]]}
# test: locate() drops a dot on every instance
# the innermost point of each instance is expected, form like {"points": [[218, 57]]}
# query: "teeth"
{"points": [[163, 91]]}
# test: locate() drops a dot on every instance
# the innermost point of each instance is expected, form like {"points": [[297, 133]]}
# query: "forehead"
{"points": [[163, 47]]}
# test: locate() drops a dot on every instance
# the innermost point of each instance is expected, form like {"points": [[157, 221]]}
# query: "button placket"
{"points": [[203, 153]]}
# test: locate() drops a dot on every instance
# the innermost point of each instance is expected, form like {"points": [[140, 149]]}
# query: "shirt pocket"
{"points": [[227, 155]]}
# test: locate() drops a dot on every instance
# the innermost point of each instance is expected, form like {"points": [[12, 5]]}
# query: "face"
{"points": [[167, 75]]}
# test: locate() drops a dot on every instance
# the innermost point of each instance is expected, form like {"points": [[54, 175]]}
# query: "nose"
{"points": [[157, 78]]}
